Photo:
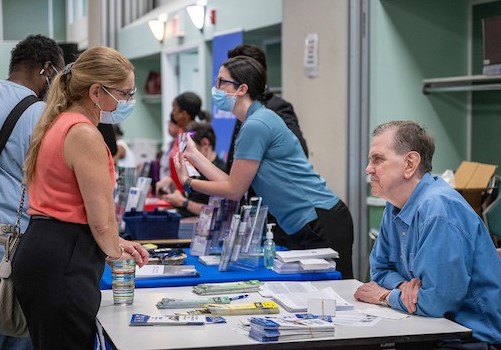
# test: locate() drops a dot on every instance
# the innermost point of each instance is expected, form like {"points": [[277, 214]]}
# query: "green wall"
{"points": [[411, 41], [269, 39], [22, 18], [146, 119], [5, 48]]}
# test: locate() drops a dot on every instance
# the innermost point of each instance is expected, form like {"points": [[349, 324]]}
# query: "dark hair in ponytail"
{"points": [[246, 70], [204, 116], [191, 103]]}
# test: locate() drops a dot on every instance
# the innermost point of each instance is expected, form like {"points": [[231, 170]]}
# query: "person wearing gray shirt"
{"points": [[33, 64]]}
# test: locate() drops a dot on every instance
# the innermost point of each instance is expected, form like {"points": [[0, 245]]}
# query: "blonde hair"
{"points": [[102, 65]]}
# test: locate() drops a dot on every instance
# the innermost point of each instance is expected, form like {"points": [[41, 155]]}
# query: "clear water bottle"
{"points": [[269, 247]]}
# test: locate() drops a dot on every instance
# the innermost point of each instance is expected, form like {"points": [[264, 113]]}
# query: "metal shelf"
{"points": [[462, 83], [152, 98]]}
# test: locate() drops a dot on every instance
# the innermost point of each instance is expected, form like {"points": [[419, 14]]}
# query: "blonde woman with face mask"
{"points": [[70, 176]]}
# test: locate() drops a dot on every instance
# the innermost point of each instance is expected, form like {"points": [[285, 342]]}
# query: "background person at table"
{"points": [[269, 156], [433, 256], [33, 64], [186, 108], [60, 260], [124, 156], [205, 140], [163, 157]]}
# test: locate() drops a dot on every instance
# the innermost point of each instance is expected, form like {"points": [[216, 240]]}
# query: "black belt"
{"points": [[40, 217]]}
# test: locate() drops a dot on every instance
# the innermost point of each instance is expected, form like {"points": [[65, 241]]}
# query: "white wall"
{"points": [[321, 102]]}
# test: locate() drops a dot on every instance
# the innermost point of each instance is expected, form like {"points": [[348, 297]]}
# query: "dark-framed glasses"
{"points": [[220, 81]]}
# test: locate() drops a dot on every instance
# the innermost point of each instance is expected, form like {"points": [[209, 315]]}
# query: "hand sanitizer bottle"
{"points": [[269, 247]]}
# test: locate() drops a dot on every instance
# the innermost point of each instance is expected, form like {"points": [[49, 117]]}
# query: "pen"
{"points": [[242, 296]]}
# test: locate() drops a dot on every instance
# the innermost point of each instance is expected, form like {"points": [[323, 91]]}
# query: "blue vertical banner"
{"points": [[223, 122]]}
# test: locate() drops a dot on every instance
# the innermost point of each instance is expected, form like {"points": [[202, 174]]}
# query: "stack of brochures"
{"points": [[303, 266], [227, 287], [257, 308], [173, 320], [268, 329], [162, 271], [209, 260], [176, 303], [305, 261]]}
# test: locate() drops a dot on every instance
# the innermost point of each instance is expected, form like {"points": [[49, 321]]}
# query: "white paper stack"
{"points": [[304, 266], [308, 260], [314, 264], [297, 255], [298, 302]]}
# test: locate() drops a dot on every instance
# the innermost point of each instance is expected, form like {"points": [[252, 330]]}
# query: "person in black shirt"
{"points": [[277, 104]]}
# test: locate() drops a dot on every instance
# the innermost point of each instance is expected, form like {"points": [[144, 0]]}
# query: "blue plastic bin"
{"points": [[143, 225]]}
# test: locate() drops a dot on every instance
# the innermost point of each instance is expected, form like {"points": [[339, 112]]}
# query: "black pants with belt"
{"points": [[56, 273], [333, 228]]}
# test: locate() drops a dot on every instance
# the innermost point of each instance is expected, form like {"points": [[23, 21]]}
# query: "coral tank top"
{"points": [[54, 191]]}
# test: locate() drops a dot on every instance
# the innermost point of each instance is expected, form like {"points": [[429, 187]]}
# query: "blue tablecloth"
{"points": [[210, 274]]}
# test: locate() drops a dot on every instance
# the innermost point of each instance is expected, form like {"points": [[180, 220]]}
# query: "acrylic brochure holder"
{"points": [[125, 180], [242, 246], [223, 221], [213, 223]]}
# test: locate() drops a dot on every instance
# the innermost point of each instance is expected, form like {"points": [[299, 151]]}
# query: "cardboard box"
{"points": [[472, 180]]}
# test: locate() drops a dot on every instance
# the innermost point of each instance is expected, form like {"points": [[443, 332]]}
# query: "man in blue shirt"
{"points": [[34, 62], [434, 256]]}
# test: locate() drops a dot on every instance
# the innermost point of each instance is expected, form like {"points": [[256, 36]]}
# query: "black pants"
{"points": [[333, 228], [56, 273]]}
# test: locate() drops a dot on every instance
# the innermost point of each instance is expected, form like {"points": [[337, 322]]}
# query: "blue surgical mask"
{"points": [[122, 112], [222, 101]]}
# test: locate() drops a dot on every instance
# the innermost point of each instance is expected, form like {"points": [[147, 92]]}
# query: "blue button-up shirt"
{"points": [[438, 238]]}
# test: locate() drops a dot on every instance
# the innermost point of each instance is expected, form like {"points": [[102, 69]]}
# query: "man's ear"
{"points": [[412, 161], [46, 67]]}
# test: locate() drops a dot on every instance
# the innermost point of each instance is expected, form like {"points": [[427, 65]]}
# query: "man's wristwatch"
{"points": [[383, 297], [187, 185]]}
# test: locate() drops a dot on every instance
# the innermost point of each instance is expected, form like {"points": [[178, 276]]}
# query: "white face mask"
{"points": [[122, 112]]}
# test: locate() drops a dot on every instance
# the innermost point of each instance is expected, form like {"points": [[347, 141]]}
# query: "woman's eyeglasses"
{"points": [[126, 95], [221, 81]]}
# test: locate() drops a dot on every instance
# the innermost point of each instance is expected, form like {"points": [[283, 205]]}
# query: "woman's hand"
{"points": [[181, 170], [134, 250], [191, 148], [175, 198], [163, 186]]}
